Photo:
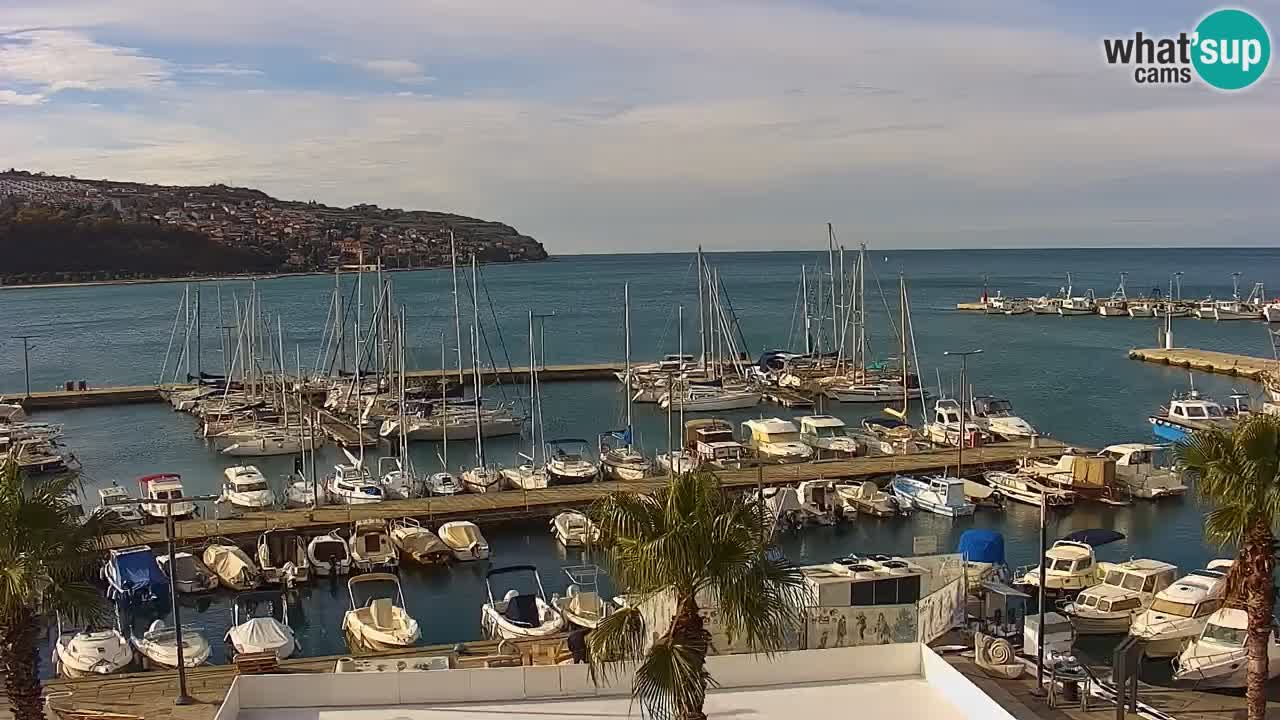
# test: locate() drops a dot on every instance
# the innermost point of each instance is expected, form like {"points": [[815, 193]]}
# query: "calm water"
{"points": [[1069, 376]]}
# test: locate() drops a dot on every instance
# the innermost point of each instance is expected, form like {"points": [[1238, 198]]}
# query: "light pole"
{"points": [[27, 347], [964, 387], [542, 334], [169, 532]]}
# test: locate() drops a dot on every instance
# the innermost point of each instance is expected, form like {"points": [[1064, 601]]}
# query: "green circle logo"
{"points": [[1232, 49]]}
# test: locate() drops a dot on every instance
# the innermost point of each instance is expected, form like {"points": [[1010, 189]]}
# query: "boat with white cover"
{"points": [[233, 566], [245, 487], [519, 614], [329, 555], [381, 622], [1218, 658], [464, 540], [90, 652], [936, 494], [1179, 612], [371, 547], [159, 646], [417, 543], [569, 462], [574, 529], [1127, 589], [775, 441], [582, 604], [282, 557], [187, 573], [260, 623]]}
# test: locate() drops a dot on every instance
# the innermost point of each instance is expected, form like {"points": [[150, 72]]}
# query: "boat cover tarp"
{"points": [[1093, 472], [1095, 537], [259, 634], [138, 572], [230, 563], [981, 545], [423, 543], [459, 535]]}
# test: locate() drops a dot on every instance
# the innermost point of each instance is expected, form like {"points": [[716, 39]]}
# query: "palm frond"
{"points": [[672, 680], [618, 641]]}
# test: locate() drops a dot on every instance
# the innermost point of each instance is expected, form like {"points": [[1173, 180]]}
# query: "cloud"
{"points": [[406, 72], [51, 61], [13, 97], [222, 70]]}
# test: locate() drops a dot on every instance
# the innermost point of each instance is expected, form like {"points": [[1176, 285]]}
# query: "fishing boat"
{"points": [[1026, 489], [329, 555], [1127, 589], [353, 485], [245, 487], [574, 529], [1271, 311], [417, 543], [995, 415], [1180, 612], [371, 547], [260, 624], [582, 605], [1069, 565], [1218, 658], [1144, 308], [116, 500], [569, 462], [936, 494], [1046, 305], [133, 576], [828, 436], [233, 566], [187, 573], [1078, 304], [1118, 304], [1236, 309], [282, 557], [519, 614], [80, 652], [464, 540], [382, 622], [159, 647], [1186, 413], [775, 440], [1138, 466], [164, 486], [868, 499]]}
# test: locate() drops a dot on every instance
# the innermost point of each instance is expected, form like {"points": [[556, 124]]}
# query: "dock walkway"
{"points": [[1247, 366], [515, 504]]}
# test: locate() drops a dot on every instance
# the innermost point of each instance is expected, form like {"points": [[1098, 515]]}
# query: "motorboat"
{"points": [[464, 540], [1078, 305], [1138, 466], [371, 547], [90, 652], [159, 647], [1027, 489], [852, 390], [1118, 304], [233, 566], [329, 555], [37, 456], [946, 426], [868, 499], [1069, 564], [382, 622], [245, 487], [896, 436], [995, 415], [710, 398], [133, 576], [775, 440], [482, 479], [1186, 413], [187, 573], [1127, 589], [622, 461], [282, 557], [1218, 658], [398, 481], [569, 462], [260, 623], [164, 486], [1046, 305], [1179, 613], [828, 436], [273, 441], [574, 529], [443, 484], [353, 485], [1271, 311], [583, 605], [677, 462], [1090, 477], [936, 494], [116, 500], [418, 543], [1143, 308], [519, 614]]}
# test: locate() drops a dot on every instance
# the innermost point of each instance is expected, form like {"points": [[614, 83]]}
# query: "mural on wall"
{"points": [[836, 627], [941, 611]]}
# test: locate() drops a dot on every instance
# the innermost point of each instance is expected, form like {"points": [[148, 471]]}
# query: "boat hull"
{"points": [[1096, 625], [1074, 311], [1167, 431]]}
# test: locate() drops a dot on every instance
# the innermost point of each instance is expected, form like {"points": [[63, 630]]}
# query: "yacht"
{"points": [[371, 547], [1027, 489], [1069, 565], [282, 557], [329, 555], [622, 461], [164, 486], [1179, 612], [133, 576], [380, 623], [519, 614], [1187, 412], [568, 462], [1118, 304], [582, 605], [233, 566], [1078, 305], [868, 499], [828, 436], [775, 440], [244, 487], [159, 647], [260, 623], [1218, 658], [1127, 589], [995, 415], [945, 428], [937, 494], [1139, 467], [353, 485], [574, 529], [418, 543], [89, 652], [464, 540], [710, 398], [116, 500], [187, 573]]}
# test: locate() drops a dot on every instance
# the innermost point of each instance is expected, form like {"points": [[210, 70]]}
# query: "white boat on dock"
{"points": [[939, 495], [1180, 612], [1217, 658], [245, 487], [90, 652], [775, 441], [1127, 590], [1026, 489], [159, 646]]}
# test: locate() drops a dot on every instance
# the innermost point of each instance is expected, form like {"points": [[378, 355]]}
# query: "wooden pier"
{"points": [[1246, 366], [787, 398], [516, 504]]}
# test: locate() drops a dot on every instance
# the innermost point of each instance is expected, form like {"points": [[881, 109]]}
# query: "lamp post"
{"points": [[169, 532], [964, 386], [26, 359], [542, 335]]}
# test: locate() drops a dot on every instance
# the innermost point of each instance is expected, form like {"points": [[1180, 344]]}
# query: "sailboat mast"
{"points": [[457, 316], [533, 390], [804, 295], [683, 384], [199, 337], [862, 309], [475, 372], [702, 330], [902, 329], [444, 406], [835, 301], [626, 321], [284, 399], [404, 437]]}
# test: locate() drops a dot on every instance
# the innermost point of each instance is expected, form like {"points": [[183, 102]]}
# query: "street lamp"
{"points": [[964, 386], [542, 334], [27, 347], [170, 531]]}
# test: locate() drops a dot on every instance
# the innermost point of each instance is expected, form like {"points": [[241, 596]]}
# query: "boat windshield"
{"points": [[184, 566], [1170, 607], [1088, 601], [1134, 582], [117, 500], [783, 437], [999, 408], [252, 486], [167, 494], [1215, 411], [1224, 635], [1063, 565], [830, 432]]}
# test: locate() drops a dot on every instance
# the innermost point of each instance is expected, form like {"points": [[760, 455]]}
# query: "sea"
{"points": [[1069, 376]]}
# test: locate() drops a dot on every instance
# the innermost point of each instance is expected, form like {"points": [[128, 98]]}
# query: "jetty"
{"points": [[1246, 366], [517, 504]]}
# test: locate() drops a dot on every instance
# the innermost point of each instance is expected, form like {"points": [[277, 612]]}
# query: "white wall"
{"points": [[956, 688]]}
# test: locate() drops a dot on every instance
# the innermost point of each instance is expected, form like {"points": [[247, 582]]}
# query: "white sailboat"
{"points": [[531, 474], [483, 477], [624, 462], [569, 461]]}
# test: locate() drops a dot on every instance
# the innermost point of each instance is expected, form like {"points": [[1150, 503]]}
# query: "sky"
{"points": [[644, 125]]}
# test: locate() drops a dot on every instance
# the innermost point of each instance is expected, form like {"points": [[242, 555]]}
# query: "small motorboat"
{"points": [[164, 486], [1027, 489], [828, 436], [353, 485], [519, 615], [443, 483], [282, 557], [1127, 589], [464, 540], [245, 487], [159, 647], [380, 623], [133, 576], [329, 555], [89, 652], [995, 415], [116, 500], [1139, 467], [1069, 565], [619, 460], [371, 547], [187, 573], [569, 462], [417, 543], [1218, 657], [775, 440], [1179, 613], [937, 494], [234, 568], [582, 603], [574, 529], [868, 499], [260, 623]]}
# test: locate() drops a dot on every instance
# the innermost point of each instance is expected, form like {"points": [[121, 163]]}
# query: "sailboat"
{"points": [[443, 482], [532, 474], [399, 482], [624, 462], [677, 460], [481, 478]]}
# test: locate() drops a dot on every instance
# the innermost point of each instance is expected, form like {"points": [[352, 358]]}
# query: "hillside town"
{"points": [[303, 236]]}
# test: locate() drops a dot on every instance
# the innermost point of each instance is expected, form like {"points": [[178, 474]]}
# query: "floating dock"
{"points": [[1246, 366], [516, 504]]}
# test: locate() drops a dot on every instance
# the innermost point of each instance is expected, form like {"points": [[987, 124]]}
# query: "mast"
{"points": [[186, 330], [626, 321], [862, 309], [804, 294], [702, 330], [684, 384], [404, 437], [444, 406], [359, 315], [818, 272], [475, 371], [457, 318], [284, 399], [341, 320], [199, 351], [533, 392], [226, 372], [835, 308], [902, 329]]}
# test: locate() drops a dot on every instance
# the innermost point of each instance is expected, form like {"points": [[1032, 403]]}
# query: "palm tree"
{"points": [[48, 552], [1239, 474], [691, 547]]}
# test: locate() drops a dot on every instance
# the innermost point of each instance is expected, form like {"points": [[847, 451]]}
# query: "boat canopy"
{"points": [[885, 422], [138, 570], [981, 545], [1095, 537]]}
